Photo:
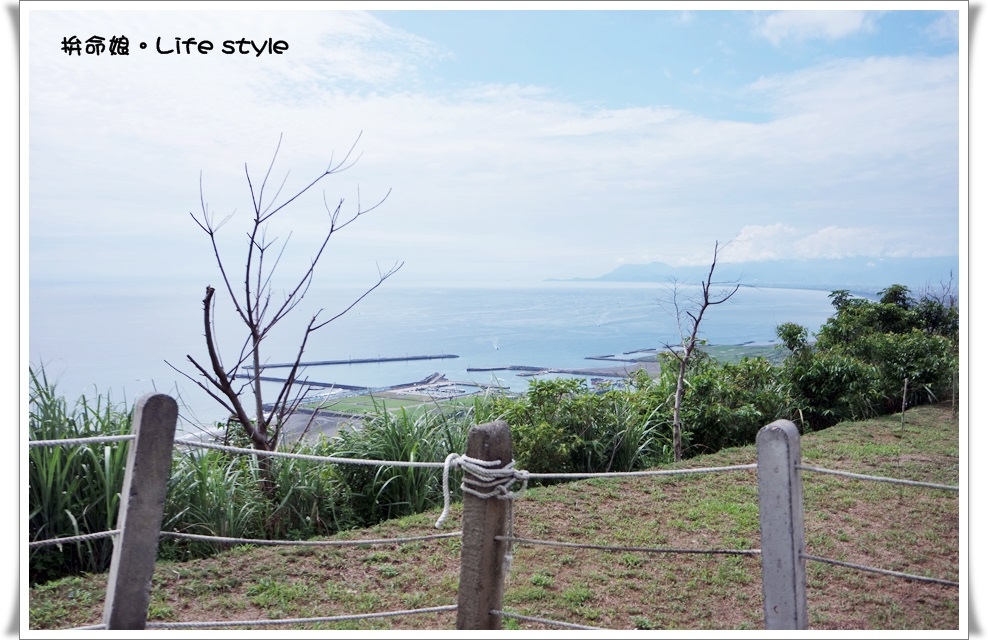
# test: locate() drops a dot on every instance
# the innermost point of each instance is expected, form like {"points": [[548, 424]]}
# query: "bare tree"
{"points": [[259, 312], [688, 317]]}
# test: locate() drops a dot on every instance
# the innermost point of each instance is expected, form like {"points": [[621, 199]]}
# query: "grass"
{"points": [[908, 529], [71, 489]]}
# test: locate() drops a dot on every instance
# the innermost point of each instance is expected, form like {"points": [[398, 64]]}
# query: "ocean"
{"points": [[120, 342]]}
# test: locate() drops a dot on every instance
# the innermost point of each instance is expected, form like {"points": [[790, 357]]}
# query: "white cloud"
{"points": [[507, 172], [795, 26], [841, 242], [944, 28], [760, 242]]}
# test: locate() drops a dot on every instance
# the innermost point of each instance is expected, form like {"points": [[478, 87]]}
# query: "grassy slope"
{"points": [[914, 530]]}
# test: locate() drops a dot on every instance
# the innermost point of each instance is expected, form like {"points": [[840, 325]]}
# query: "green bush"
{"points": [[825, 388], [726, 404], [563, 426]]}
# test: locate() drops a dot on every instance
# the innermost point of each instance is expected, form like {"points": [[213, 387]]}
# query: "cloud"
{"points": [[782, 241], [509, 171], [872, 240], [760, 242], [842, 242], [797, 26], [944, 28]]}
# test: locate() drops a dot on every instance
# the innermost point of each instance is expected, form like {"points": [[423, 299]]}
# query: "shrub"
{"points": [[564, 426]]}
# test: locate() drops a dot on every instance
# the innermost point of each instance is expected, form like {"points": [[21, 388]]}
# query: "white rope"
{"points": [[578, 545], [552, 623], [631, 474], [305, 543], [488, 475], [302, 456], [860, 476], [897, 574], [87, 536], [74, 441], [252, 623]]}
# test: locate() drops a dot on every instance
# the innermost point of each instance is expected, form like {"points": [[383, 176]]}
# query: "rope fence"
{"points": [[487, 537], [887, 572], [69, 442], [308, 543], [281, 621], [67, 540], [551, 623], [612, 549], [859, 476]]}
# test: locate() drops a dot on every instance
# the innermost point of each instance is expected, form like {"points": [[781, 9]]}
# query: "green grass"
{"points": [[901, 528], [73, 490]]}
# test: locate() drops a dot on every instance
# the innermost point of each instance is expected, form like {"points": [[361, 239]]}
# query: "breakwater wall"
{"points": [[325, 363]]}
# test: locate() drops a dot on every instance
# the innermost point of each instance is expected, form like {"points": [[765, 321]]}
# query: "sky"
{"points": [[512, 145]]}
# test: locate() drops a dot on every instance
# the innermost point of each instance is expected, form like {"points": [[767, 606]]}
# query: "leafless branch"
{"points": [[254, 306], [689, 338]]}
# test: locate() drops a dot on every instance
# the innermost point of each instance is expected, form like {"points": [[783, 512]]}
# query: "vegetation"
{"points": [[908, 529], [861, 361], [72, 490]]}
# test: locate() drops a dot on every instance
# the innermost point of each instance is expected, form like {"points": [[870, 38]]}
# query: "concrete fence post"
{"points": [[142, 502], [780, 515], [481, 556]]}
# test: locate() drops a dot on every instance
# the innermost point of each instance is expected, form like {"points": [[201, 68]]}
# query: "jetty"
{"points": [[310, 383], [434, 380], [325, 363], [606, 372]]}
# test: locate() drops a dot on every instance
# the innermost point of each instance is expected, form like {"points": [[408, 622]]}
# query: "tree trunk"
{"points": [[677, 420]]}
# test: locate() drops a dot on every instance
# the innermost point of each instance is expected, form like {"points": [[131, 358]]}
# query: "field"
{"points": [[901, 528]]}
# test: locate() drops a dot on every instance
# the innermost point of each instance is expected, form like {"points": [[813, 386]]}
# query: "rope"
{"points": [[549, 543], [304, 543], [251, 623], [630, 474], [898, 574], [73, 441], [487, 475], [555, 623], [87, 536], [877, 478], [302, 456]]}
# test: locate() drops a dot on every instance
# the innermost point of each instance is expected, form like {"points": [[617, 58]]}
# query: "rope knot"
{"points": [[490, 480]]}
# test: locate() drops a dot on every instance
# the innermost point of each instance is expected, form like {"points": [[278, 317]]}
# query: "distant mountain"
{"points": [[859, 275]]}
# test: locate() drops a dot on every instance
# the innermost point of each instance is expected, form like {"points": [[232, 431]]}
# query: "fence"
{"points": [[487, 533]]}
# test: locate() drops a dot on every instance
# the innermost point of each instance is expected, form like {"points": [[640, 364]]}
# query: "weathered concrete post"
{"points": [[481, 556], [780, 514], [142, 502]]}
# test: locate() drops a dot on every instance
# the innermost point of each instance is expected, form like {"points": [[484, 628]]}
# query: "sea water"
{"points": [[128, 343]]}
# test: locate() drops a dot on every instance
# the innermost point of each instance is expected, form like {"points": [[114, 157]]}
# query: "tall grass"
{"points": [[72, 490], [210, 493], [380, 493]]}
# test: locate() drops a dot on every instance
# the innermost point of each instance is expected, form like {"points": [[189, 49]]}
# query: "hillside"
{"points": [[908, 529]]}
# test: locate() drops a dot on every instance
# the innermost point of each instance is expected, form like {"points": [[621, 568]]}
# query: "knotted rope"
{"points": [[490, 480]]}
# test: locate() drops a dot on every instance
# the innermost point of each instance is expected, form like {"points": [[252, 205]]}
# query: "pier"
{"points": [[325, 363], [607, 372]]}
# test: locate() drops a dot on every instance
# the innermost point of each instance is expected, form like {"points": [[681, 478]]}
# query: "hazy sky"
{"points": [[517, 145]]}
